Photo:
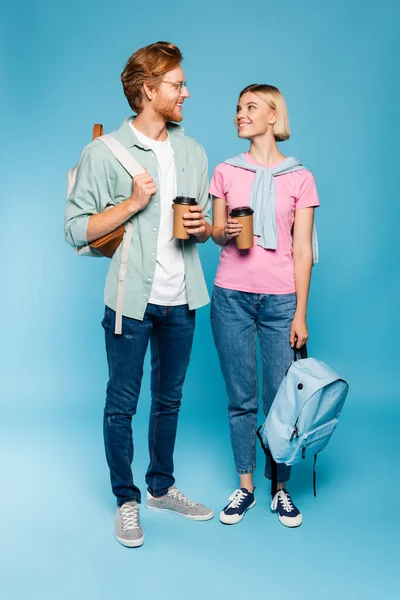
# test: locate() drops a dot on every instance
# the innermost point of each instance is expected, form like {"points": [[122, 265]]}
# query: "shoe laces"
{"points": [[129, 516], [283, 497], [236, 498], [177, 495]]}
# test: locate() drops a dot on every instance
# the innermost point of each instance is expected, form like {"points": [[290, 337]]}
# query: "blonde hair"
{"points": [[275, 100], [148, 64]]}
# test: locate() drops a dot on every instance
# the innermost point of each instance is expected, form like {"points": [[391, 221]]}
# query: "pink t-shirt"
{"points": [[259, 270]]}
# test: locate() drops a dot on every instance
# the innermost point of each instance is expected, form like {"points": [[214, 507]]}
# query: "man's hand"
{"points": [[143, 188], [194, 221]]}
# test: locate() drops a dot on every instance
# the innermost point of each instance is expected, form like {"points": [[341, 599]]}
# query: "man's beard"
{"points": [[168, 110]]}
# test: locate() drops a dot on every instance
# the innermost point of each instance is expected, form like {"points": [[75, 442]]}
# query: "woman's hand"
{"points": [[232, 229], [299, 331], [224, 228]]}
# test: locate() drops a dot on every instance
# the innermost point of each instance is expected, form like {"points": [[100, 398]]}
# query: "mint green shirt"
{"points": [[101, 181]]}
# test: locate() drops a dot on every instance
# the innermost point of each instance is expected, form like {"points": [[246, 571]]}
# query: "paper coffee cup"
{"points": [[181, 207], [244, 214]]}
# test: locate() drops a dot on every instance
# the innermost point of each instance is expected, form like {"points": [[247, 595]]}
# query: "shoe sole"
{"points": [[288, 522], [130, 543], [240, 517], [207, 517]]}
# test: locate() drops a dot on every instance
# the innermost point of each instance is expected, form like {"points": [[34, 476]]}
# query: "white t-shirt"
{"points": [[169, 287]]}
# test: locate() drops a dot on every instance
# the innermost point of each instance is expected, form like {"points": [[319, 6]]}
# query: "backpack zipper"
{"points": [[295, 433], [287, 370], [295, 430]]}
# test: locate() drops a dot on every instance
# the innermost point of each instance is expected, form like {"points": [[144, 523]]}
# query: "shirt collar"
{"points": [[128, 138]]}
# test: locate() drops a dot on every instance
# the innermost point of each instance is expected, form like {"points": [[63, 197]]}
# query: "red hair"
{"points": [[148, 64]]}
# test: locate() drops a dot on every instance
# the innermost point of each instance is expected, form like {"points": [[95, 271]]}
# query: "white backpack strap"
{"points": [[122, 276], [132, 166], [122, 155]]}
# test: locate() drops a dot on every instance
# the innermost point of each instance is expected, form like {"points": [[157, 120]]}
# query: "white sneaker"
{"points": [[239, 503], [288, 514], [175, 501], [128, 530]]}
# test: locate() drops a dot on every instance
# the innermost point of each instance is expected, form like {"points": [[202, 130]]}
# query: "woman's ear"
{"points": [[273, 117]]}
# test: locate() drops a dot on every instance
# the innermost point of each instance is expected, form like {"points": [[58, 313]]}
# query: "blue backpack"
{"points": [[304, 413]]}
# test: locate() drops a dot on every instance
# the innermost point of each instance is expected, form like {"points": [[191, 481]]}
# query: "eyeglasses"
{"points": [[175, 84]]}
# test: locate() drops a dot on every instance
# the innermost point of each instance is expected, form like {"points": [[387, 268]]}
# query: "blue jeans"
{"points": [[236, 319], [170, 331]]}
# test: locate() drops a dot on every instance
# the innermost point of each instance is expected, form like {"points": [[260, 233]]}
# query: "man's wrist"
{"points": [[200, 237], [204, 236], [131, 207]]}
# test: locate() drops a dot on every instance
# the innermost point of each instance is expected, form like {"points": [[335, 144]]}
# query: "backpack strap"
{"points": [[133, 168], [315, 475], [126, 159], [97, 130], [302, 350]]}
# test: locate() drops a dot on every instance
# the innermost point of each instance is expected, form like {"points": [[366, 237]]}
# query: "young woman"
{"points": [[262, 291]]}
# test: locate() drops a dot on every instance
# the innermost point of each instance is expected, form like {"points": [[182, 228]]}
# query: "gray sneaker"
{"points": [[128, 530], [175, 501]]}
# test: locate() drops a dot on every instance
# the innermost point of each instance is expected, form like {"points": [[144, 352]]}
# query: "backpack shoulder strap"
{"points": [[122, 155], [133, 168], [315, 475]]}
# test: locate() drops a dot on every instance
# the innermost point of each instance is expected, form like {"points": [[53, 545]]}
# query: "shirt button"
{"points": [[149, 279], [153, 254], [156, 204], [155, 229]]}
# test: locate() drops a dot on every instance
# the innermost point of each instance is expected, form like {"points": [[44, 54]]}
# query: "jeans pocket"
{"points": [[108, 319]]}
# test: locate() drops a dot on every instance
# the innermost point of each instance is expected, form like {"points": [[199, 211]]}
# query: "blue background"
{"points": [[60, 65]]}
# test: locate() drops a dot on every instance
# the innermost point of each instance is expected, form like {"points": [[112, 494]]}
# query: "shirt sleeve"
{"points": [[204, 199], [217, 183], [90, 195], [307, 195]]}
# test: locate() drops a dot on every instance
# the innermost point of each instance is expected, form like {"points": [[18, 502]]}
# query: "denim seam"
{"points": [[254, 416], [157, 413], [283, 479], [128, 461], [246, 471], [133, 499]]}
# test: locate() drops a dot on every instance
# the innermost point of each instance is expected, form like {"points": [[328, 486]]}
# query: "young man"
{"points": [[164, 280]]}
